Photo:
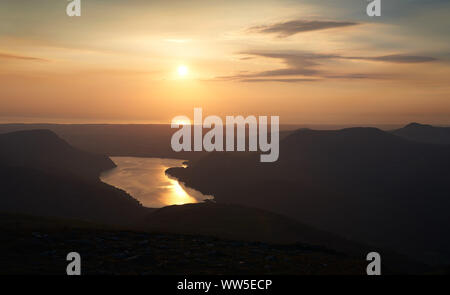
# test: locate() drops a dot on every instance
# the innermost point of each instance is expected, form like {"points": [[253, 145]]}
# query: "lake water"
{"points": [[145, 180]]}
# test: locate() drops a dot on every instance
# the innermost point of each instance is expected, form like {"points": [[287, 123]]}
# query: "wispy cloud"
{"points": [[292, 80], [398, 58], [289, 28], [305, 64], [20, 57]]}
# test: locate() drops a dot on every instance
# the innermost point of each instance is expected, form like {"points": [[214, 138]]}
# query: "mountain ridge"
{"points": [[424, 133]]}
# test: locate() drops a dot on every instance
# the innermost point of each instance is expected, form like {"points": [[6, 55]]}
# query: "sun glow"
{"points": [[182, 70], [182, 122]]}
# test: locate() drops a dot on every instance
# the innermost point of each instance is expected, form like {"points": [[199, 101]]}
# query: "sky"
{"points": [[310, 61]]}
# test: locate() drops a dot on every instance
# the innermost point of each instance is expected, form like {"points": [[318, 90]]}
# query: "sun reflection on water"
{"points": [[176, 195], [145, 180]]}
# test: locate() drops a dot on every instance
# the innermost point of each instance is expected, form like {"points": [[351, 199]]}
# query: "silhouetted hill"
{"points": [[424, 133], [361, 183], [30, 191], [44, 150], [43, 175]]}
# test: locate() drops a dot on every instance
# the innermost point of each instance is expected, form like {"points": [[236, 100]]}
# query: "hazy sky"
{"points": [[316, 61]]}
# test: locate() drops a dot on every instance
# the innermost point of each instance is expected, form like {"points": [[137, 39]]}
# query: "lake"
{"points": [[145, 180]]}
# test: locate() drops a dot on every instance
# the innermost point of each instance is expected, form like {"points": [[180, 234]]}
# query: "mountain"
{"points": [[361, 183], [45, 151], [424, 133], [142, 140], [43, 175]]}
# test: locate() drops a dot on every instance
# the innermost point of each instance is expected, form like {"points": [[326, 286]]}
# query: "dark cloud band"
{"points": [[289, 28], [20, 57]]}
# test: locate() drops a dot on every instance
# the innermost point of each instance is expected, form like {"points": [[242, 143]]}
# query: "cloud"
{"points": [[305, 64], [279, 80], [358, 76], [297, 64], [20, 57], [399, 58], [289, 28]]}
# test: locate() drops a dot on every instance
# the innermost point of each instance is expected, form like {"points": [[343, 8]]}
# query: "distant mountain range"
{"points": [[133, 140], [424, 133]]}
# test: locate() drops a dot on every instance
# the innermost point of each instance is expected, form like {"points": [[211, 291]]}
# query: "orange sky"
{"points": [[306, 61]]}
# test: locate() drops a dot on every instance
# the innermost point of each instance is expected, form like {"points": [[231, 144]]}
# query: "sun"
{"points": [[182, 70], [182, 122]]}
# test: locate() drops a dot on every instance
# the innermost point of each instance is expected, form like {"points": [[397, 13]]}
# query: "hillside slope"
{"points": [[45, 151], [31, 245], [361, 183], [41, 174]]}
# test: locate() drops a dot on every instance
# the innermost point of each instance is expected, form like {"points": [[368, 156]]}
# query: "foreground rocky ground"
{"points": [[26, 250]]}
